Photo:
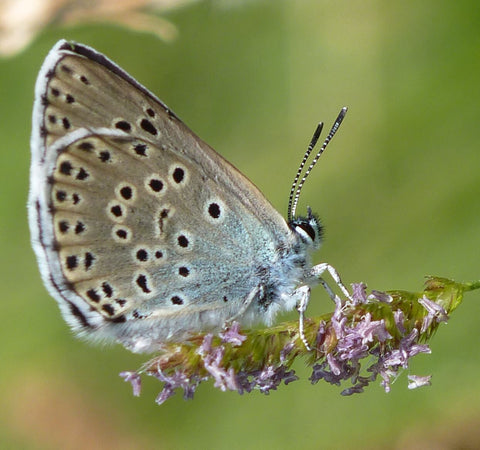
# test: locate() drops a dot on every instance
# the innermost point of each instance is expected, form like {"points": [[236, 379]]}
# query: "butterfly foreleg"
{"points": [[317, 272], [302, 294]]}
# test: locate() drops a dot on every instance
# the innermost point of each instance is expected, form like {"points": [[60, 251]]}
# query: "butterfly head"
{"points": [[309, 229]]}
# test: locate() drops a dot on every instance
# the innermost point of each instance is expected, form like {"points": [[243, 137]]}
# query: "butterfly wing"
{"points": [[78, 87], [140, 228]]}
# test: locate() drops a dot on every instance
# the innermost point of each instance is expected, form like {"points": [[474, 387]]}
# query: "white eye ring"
{"points": [[304, 235]]}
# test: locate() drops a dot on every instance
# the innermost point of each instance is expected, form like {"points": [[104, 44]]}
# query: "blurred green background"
{"points": [[398, 191]]}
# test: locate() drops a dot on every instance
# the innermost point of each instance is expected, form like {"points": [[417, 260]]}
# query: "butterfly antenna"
{"points": [[297, 188], [311, 146]]}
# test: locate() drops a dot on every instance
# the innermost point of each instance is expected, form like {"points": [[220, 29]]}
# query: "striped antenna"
{"points": [[298, 185], [311, 146]]}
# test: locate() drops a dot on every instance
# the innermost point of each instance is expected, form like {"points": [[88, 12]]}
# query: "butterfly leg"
{"points": [[303, 294], [317, 272], [257, 291]]}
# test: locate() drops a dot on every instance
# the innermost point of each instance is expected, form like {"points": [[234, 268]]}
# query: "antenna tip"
{"points": [[340, 117]]}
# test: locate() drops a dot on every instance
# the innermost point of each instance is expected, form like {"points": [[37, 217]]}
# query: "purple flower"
{"points": [[387, 375], [359, 293], [179, 380], [357, 339], [232, 335], [206, 346], [380, 296], [289, 346], [225, 379], [359, 386], [265, 380], [321, 333], [408, 348], [418, 381], [334, 364], [212, 362], [370, 330], [353, 341], [323, 371], [399, 318], [434, 311], [338, 318], [395, 359], [135, 381], [270, 377], [167, 392]]}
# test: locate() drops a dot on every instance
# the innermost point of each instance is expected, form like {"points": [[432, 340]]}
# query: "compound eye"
{"points": [[307, 228]]}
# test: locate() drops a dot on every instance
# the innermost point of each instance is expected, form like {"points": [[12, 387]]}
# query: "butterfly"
{"points": [[142, 232]]}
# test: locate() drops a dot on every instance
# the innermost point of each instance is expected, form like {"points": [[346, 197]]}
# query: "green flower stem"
{"points": [[385, 325]]}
